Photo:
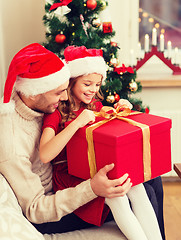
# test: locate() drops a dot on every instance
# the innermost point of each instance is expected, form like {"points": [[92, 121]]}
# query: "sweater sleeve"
{"points": [[38, 204], [38, 207]]}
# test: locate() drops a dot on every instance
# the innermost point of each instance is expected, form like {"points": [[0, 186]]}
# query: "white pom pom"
{"points": [[6, 108]]}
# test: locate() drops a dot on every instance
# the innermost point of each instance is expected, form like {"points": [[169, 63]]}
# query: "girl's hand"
{"points": [[86, 116], [123, 103]]}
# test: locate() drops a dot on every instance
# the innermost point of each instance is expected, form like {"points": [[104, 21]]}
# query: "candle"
{"points": [[139, 50], [169, 49], [161, 42], [131, 58], [146, 43], [176, 56], [154, 37]]}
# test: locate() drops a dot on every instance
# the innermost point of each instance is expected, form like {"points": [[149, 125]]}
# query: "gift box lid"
{"points": [[118, 131]]}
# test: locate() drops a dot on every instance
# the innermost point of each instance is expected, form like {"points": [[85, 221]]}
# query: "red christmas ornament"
{"points": [[117, 97], [60, 38], [114, 44], [91, 4], [147, 110]]}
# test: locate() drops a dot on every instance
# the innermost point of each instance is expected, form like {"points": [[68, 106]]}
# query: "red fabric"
{"points": [[119, 142], [53, 121], [73, 53], [123, 69], [62, 3], [33, 61], [94, 212]]}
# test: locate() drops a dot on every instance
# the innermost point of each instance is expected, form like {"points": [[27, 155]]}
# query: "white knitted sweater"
{"points": [[29, 178]]}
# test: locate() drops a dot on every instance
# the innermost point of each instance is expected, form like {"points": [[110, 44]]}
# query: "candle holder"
{"points": [[154, 51]]}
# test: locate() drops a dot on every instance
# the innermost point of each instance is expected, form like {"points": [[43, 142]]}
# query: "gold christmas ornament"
{"points": [[110, 98], [103, 5], [133, 86], [114, 61]]}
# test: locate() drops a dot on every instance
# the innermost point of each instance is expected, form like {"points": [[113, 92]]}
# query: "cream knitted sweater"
{"points": [[29, 178]]}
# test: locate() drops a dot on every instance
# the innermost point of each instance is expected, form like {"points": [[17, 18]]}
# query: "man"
{"points": [[37, 81]]}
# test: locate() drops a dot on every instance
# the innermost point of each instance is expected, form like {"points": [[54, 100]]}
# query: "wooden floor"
{"points": [[172, 210]]}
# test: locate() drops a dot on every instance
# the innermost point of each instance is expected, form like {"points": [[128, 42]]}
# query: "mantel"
{"points": [[159, 80]]}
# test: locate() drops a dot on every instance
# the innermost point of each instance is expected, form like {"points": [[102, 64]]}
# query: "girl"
{"points": [[88, 70]]}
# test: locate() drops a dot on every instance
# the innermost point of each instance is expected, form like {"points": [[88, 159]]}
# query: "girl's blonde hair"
{"points": [[66, 108]]}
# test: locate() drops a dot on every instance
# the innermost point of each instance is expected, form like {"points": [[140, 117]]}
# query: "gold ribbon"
{"points": [[109, 114]]}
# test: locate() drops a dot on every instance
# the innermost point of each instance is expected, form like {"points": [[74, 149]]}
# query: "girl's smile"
{"points": [[85, 88]]}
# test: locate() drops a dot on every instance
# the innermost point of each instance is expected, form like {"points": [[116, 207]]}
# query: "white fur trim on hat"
{"points": [[6, 108], [42, 85], [87, 65]]}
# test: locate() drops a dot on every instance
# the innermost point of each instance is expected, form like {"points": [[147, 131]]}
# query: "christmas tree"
{"points": [[87, 23]]}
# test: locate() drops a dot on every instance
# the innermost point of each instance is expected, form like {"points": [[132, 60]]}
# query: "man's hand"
{"points": [[104, 187]]}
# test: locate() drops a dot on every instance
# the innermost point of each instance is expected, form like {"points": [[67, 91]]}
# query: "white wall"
{"points": [[124, 14], [2, 56], [20, 24], [166, 102]]}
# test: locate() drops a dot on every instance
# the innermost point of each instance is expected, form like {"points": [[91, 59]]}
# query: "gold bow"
{"points": [[109, 114]]}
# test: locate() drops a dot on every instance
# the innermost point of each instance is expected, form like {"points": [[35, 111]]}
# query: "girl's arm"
{"points": [[51, 145]]}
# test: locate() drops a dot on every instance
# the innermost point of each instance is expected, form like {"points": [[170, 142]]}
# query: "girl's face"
{"points": [[85, 88]]}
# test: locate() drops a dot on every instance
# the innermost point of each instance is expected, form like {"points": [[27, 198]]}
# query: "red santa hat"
{"points": [[83, 61], [34, 70]]}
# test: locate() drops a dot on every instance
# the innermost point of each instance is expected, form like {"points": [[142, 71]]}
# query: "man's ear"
{"points": [[34, 98]]}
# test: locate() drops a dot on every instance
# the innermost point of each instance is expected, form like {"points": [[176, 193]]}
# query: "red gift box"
{"points": [[107, 27], [122, 143]]}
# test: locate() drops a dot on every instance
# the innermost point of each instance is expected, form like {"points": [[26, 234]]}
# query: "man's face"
{"points": [[48, 102]]}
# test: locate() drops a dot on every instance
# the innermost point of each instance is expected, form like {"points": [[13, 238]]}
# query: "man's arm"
{"points": [[37, 206]]}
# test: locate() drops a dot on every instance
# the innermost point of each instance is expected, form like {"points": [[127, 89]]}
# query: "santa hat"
{"points": [[34, 70], [83, 61]]}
